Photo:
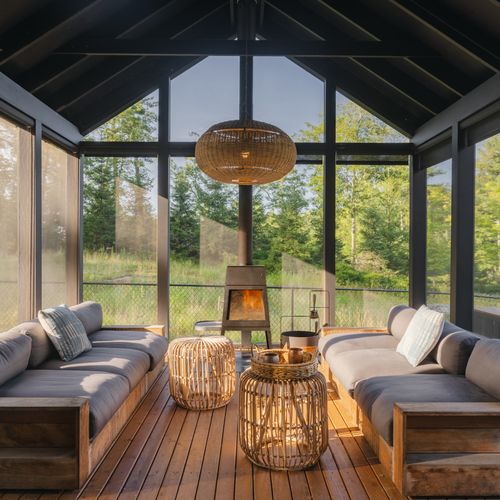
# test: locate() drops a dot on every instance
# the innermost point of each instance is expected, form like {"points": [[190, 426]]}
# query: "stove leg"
{"points": [[268, 339], [246, 343]]}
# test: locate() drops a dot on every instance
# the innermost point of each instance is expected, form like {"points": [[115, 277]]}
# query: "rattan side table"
{"points": [[283, 414], [202, 371]]}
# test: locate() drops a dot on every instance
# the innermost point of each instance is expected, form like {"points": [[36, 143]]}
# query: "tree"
{"points": [[184, 222]]}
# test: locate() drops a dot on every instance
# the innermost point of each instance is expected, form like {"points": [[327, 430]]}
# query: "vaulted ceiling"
{"points": [[433, 52]]}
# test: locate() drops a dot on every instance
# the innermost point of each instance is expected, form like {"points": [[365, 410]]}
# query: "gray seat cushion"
{"points": [[351, 367], [90, 314], [105, 391], [15, 350], [41, 346], [153, 345], [376, 396], [483, 368], [338, 343], [130, 363]]}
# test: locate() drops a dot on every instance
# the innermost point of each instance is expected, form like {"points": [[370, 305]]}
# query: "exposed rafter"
{"points": [[424, 15], [112, 69], [137, 19], [366, 22], [60, 16], [171, 48]]}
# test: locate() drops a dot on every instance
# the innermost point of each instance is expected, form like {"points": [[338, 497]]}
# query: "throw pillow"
{"points": [[65, 331], [421, 336]]}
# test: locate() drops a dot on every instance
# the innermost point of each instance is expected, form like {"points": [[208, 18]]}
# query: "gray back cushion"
{"points": [[483, 368], [398, 320], [90, 314], [41, 347], [15, 350], [454, 349]]}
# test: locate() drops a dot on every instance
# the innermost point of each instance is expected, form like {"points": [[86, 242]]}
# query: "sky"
{"points": [[284, 95]]}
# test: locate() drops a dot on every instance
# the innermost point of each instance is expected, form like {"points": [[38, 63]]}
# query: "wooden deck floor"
{"points": [[168, 452]]}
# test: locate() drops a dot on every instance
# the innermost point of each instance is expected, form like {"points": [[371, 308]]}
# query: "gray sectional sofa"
{"points": [[427, 423], [68, 412]]}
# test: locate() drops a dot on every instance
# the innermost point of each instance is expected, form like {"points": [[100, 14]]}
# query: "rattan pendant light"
{"points": [[245, 152]]}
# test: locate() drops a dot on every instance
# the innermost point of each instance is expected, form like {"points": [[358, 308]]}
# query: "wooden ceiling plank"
{"points": [[367, 23], [58, 15], [108, 70], [435, 23]]}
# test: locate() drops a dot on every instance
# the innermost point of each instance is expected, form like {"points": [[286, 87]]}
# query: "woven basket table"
{"points": [[283, 413], [202, 371]]}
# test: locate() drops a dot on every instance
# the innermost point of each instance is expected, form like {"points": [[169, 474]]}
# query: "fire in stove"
{"points": [[246, 305], [245, 300]]}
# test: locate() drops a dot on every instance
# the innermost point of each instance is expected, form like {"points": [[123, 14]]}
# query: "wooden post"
{"points": [[163, 238], [329, 198]]}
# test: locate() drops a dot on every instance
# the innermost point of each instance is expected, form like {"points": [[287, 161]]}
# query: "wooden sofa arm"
{"points": [[327, 330], [156, 329], [447, 449], [44, 442]]}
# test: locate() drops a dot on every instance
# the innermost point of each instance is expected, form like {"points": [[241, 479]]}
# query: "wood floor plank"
{"points": [[102, 474], [262, 486], [122, 471], [138, 475], [227, 462], [189, 481], [243, 487], [299, 485], [317, 484], [333, 478], [363, 468], [172, 479], [344, 464], [161, 461], [210, 467], [280, 485]]}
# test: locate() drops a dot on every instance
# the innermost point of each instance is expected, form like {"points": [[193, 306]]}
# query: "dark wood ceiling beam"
{"points": [[203, 48], [380, 104], [369, 23], [422, 14], [118, 93], [56, 16], [400, 82], [111, 69], [135, 19]]}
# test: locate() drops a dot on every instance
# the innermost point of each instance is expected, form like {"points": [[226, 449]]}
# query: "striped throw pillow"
{"points": [[65, 331], [421, 336]]}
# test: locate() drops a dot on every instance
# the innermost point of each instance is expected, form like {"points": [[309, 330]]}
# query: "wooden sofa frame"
{"points": [[440, 449], [45, 443]]}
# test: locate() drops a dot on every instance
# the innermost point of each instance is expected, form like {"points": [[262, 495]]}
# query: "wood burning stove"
{"points": [[245, 301]]}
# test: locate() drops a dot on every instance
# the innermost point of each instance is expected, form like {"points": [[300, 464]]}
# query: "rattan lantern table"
{"points": [[283, 414], [202, 371]]}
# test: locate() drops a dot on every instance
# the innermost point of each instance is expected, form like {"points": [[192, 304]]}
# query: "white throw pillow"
{"points": [[421, 336]]}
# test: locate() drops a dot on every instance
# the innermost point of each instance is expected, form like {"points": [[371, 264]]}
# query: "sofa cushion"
{"points": [[338, 343], [90, 314], [65, 331], [398, 320], [41, 347], [130, 363], [15, 350], [351, 367], [376, 396], [422, 334], [483, 368], [454, 349], [105, 391], [153, 345]]}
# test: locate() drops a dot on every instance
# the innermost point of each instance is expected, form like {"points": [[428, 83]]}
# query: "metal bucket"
{"points": [[300, 338]]}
